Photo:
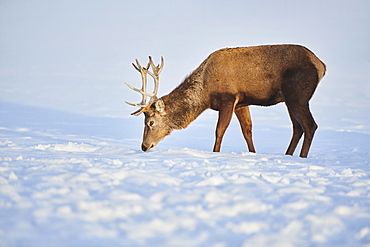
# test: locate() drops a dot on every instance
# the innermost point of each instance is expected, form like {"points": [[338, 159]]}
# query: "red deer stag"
{"points": [[230, 80]]}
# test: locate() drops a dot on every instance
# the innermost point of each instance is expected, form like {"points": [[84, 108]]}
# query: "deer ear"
{"points": [[159, 105]]}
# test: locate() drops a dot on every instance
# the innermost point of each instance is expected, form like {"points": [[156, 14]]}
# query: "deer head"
{"points": [[155, 124]]}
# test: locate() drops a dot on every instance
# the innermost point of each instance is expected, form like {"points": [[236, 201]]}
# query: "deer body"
{"points": [[230, 80]]}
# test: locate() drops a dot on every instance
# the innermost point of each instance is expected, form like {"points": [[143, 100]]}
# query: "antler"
{"points": [[144, 71]]}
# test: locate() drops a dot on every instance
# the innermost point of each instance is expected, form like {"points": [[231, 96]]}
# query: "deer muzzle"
{"points": [[146, 147]]}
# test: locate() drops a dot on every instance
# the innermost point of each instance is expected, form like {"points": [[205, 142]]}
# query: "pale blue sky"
{"points": [[74, 55]]}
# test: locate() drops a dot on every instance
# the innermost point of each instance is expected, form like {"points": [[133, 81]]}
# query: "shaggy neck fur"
{"points": [[186, 102]]}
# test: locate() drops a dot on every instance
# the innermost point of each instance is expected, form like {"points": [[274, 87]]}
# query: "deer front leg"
{"points": [[224, 118], [245, 121]]}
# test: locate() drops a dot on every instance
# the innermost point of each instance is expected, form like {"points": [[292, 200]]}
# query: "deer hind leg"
{"points": [[301, 115], [245, 121], [224, 118], [297, 134]]}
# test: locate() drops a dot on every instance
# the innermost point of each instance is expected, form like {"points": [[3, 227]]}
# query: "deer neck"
{"points": [[186, 102]]}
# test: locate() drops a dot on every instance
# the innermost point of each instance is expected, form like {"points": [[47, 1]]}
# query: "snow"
{"points": [[71, 169], [72, 180]]}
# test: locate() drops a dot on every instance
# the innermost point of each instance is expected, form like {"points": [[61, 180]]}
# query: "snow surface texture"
{"points": [[74, 175], [70, 180]]}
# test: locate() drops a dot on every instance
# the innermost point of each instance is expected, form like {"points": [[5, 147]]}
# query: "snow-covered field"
{"points": [[72, 180], [71, 170]]}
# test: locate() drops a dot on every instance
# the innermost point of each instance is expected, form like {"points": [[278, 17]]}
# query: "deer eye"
{"points": [[151, 123]]}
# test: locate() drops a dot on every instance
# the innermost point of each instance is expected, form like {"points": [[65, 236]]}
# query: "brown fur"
{"points": [[230, 80]]}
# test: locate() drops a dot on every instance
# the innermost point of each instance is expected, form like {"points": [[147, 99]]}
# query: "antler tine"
{"points": [[133, 88], [144, 71], [156, 69], [138, 66], [140, 91], [138, 112], [133, 104]]}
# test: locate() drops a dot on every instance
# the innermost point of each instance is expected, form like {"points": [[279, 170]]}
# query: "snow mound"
{"points": [[67, 147]]}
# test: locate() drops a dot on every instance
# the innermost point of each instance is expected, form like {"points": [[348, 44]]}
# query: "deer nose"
{"points": [[145, 148]]}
